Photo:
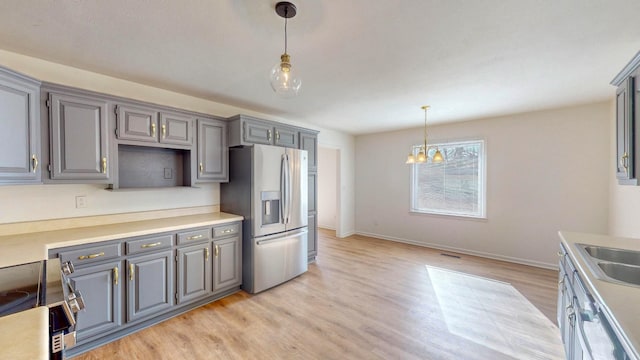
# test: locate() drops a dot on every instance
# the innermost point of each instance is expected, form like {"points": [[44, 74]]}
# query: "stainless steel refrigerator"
{"points": [[268, 186]]}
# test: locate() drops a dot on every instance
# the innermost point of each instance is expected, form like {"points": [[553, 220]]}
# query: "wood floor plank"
{"points": [[364, 298]]}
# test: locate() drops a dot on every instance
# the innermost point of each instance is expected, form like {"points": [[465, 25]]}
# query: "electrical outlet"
{"points": [[81, 201], [168, 173]]}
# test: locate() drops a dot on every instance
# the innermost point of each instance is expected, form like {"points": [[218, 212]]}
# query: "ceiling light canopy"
{"points": [[423, 154], [284, 80]]}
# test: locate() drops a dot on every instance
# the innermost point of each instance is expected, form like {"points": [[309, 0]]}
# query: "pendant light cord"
{"points": [[285, 29], [425, 130]]}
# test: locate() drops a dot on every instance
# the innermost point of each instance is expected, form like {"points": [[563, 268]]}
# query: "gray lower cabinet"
{"points": [[213, 153], [19, 128], [78, 129], [227, 267], [194, 272], [150, 284], [312, 237], [101, 289]]}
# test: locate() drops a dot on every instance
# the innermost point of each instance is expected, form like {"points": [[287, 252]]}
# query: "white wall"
{"points": [[37, 202], [327, 187], [345, 216], [546, 171]]}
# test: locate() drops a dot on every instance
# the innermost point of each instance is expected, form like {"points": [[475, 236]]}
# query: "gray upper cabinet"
{"points": [[149, 126], [213, 153], [176, 129], [78, 135], [227, 267], [101, 289], [19, 128], [309, 142], [150, 284], [627, 131], [246, 130], [137, 123]]}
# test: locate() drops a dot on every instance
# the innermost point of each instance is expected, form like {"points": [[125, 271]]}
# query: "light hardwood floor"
{"points": [[364, 298]]}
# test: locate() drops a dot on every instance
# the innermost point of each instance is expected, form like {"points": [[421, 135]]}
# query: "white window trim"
{"points": [[482, 197]]}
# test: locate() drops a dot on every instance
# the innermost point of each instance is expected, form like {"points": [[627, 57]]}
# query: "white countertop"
{"points": [[26, 248], [25, 335], [620, 302]]}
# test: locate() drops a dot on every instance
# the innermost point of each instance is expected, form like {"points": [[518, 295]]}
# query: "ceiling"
{"points": [[367, 66]]}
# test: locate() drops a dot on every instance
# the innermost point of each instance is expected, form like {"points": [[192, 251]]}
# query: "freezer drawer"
{"points": [[278, 259]]}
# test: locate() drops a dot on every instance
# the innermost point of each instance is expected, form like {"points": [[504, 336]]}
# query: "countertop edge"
{"points": [[598, 288], [25, 335]]}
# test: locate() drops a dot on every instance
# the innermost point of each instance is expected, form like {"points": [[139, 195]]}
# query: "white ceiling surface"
{"points": [[366, 66]]}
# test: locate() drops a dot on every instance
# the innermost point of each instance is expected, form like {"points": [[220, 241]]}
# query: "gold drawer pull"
{"points": [[201, 168], [151, 245], [217, 250], [115, 275], [131, 271], [194, 237], [104, 165], [227, 231], [34, 159], [206, 252], [92, 256], [153, 129], [164, 131]]}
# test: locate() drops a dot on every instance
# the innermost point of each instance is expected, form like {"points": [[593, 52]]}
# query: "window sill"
{"points": [[449, 215]]}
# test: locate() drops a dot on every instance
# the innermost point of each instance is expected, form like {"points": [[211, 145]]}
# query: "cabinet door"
{"points": [[312, 237], [101, 289], [150, 285], [257, 133], [309, 142], [137, 123], [286, 136], [311, 192], [176, 129], [78, 138], [624, 131], [194, 272], [213, 153], [19, 131], [227, 269]]}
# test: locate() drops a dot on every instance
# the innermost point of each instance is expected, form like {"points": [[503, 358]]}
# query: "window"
{"points": [[455, 186]]}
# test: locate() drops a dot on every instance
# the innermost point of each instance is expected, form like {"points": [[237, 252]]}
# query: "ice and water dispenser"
{"points": [[270, 207]]}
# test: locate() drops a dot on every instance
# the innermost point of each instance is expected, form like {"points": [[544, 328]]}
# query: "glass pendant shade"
{"points": [[437, 157], [410, 159], [284, 80], [422, 157]]}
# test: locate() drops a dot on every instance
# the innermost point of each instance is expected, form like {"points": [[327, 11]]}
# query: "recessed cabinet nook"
{"points": [[627, 131], [56, 134]]}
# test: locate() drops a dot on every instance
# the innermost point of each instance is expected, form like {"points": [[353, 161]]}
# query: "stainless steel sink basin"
{"points": [[625, 273], [629, 257], [611, 264]]}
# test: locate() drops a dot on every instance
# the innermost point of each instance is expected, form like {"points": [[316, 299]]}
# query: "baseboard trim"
{"points": [[326, 227], [510, 259]]}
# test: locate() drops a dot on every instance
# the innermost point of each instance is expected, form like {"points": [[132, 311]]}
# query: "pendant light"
{"points": [[423, 154], [284, 80]]}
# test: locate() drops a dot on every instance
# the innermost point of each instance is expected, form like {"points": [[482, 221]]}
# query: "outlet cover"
{"points": [[168, 173], [81, 201]]}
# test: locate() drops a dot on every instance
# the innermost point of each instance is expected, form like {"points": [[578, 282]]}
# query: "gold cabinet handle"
{"points": [[217, 250], [115, 275], [131, 270], [164, 131], [153, 129], [201, 168], [277, 135], [151, 245], [227, 231], [91, 256], [269, 135], [206, 252], [194, 237], [104, 165], [34, 159], [623, 162]]}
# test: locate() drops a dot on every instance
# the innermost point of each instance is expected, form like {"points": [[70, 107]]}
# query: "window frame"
{"points": [[482, 180]]}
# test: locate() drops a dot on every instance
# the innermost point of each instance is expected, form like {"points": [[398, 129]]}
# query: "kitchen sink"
{"points": [[611, 264], [629, 257], [621, 272]]}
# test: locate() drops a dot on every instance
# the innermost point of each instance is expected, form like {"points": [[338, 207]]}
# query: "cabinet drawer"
{"points": [[194, 236], [226, 230], [149, 243], [91, 254]]}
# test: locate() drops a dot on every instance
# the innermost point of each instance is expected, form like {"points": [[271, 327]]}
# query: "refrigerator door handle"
{"points": [[283, 189], [289, 190]]}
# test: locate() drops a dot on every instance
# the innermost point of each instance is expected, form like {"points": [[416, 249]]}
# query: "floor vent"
{"points": [[449, 255]]}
